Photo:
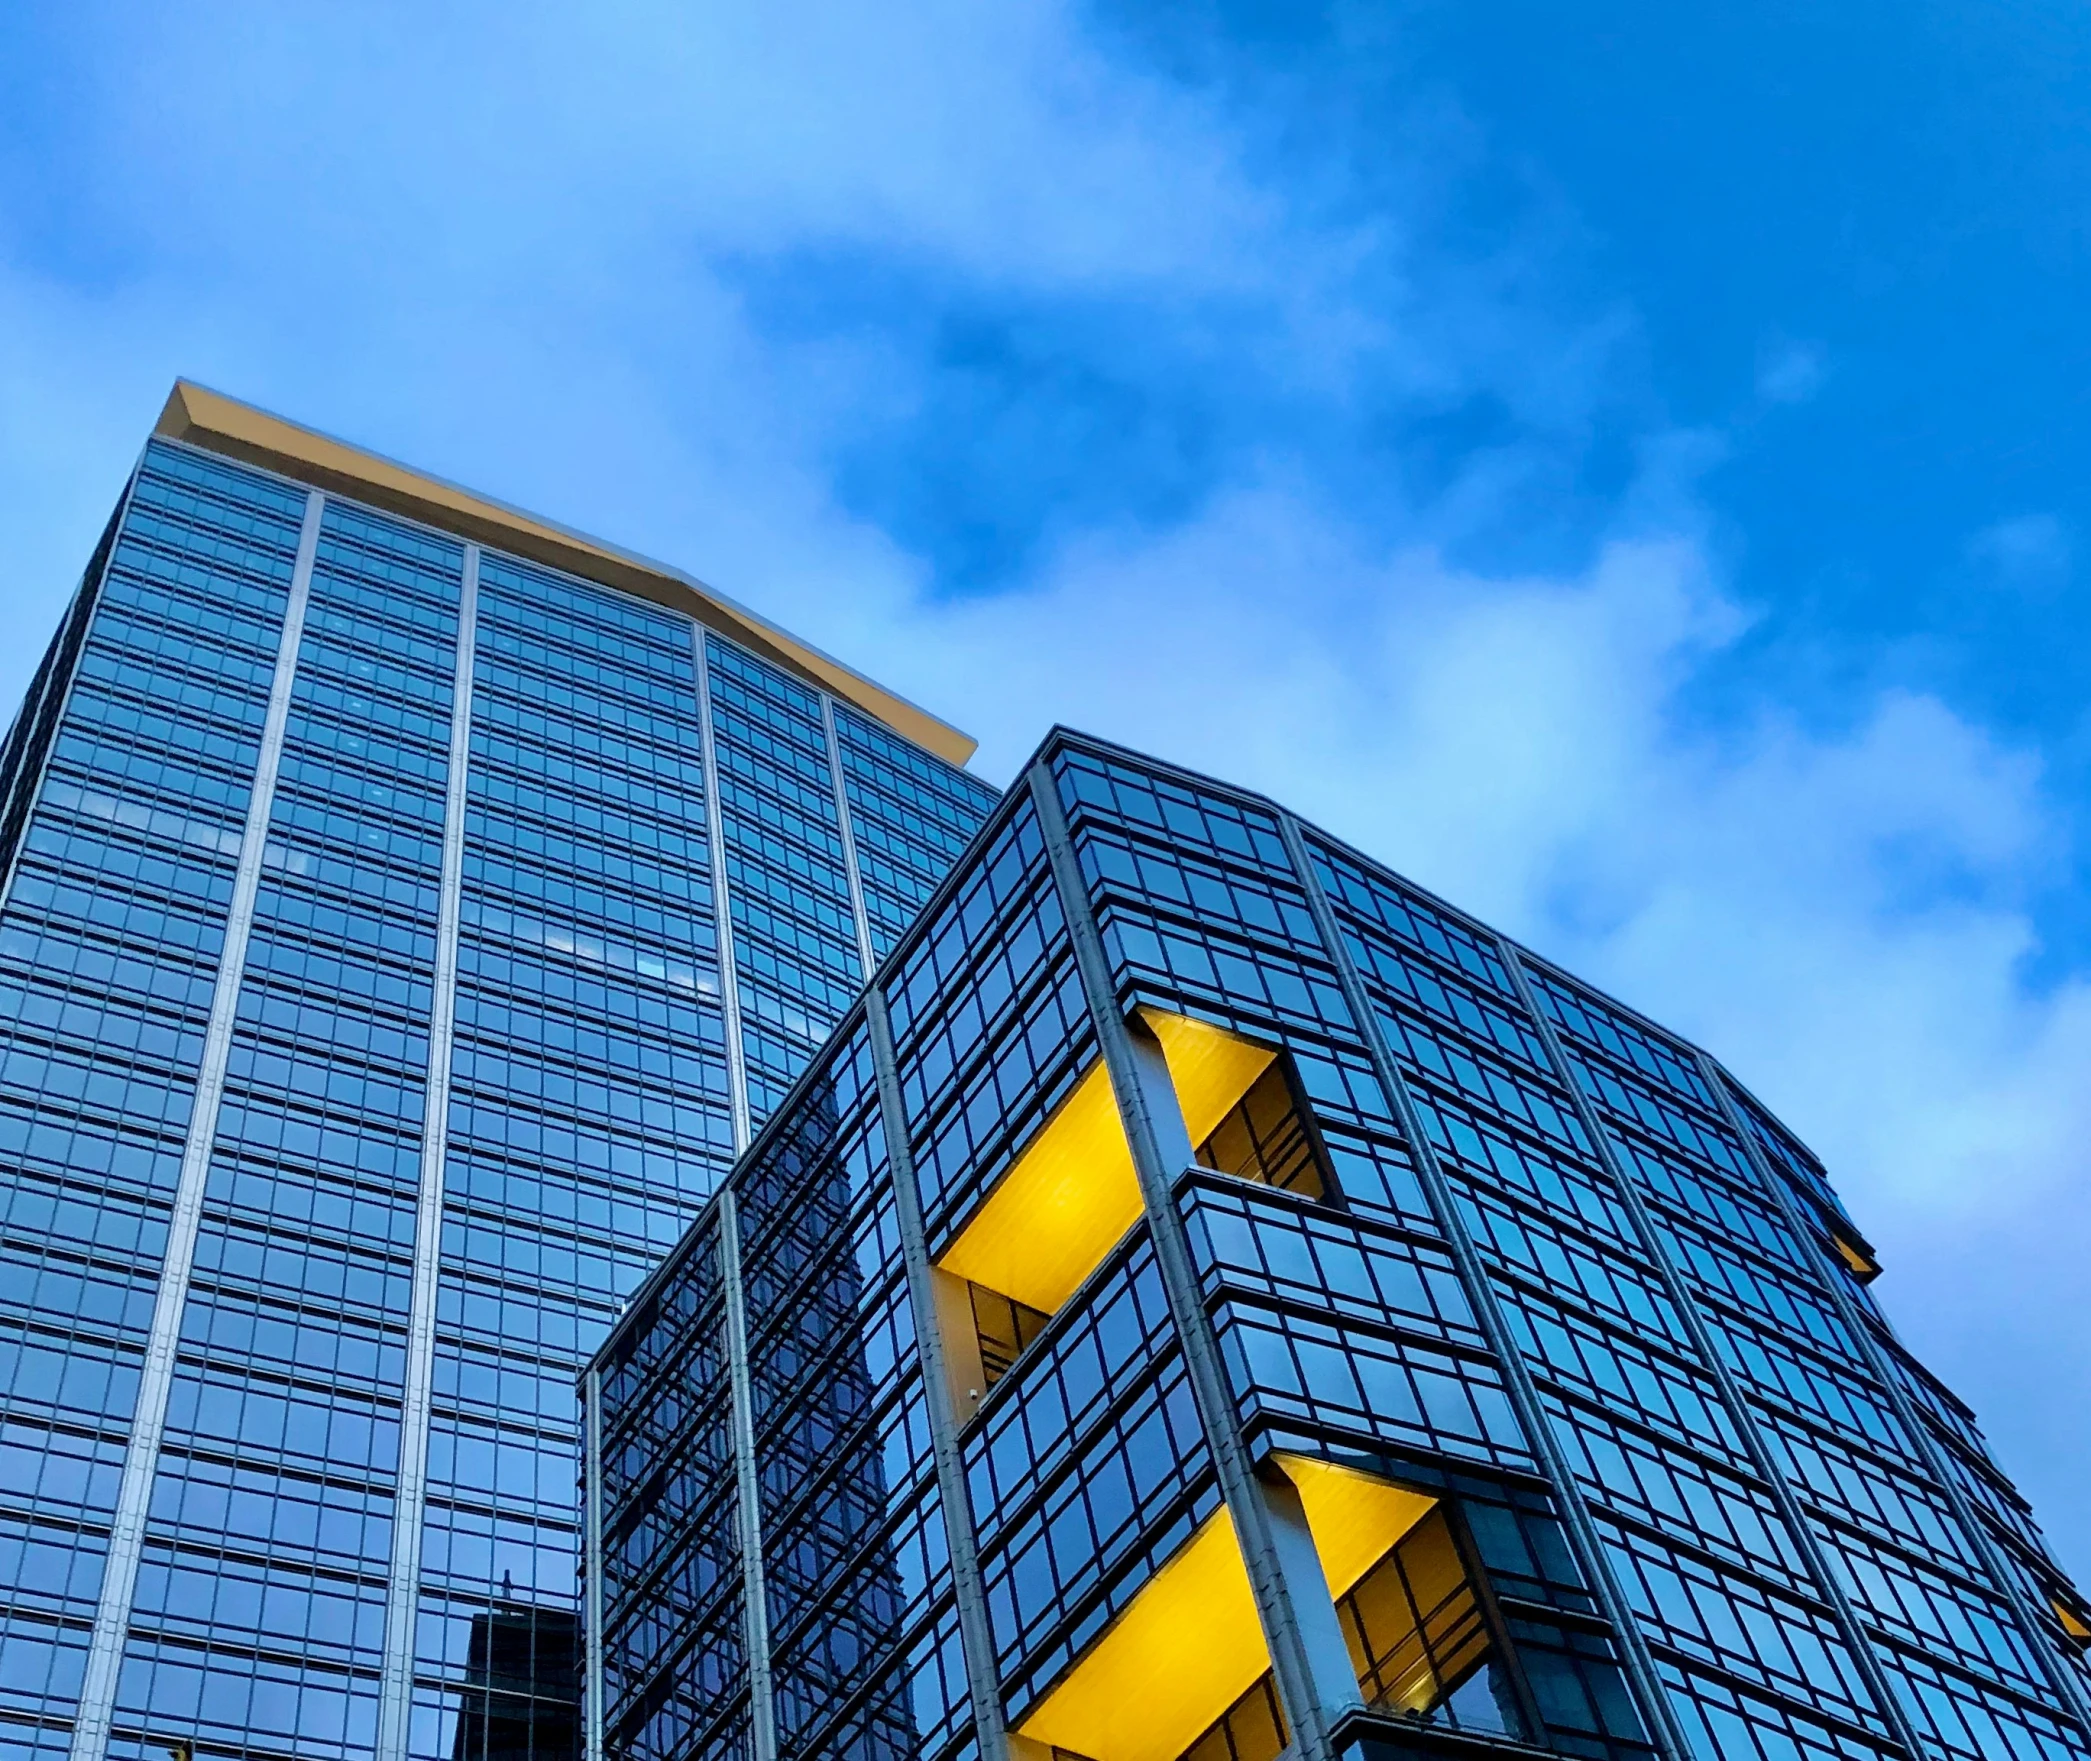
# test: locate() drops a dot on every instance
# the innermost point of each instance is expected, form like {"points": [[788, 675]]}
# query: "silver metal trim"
{"points": [[1827, 1585], [1832, 1280], [410, 1497], [722, 905], [1161, 1150], [755, 1611], [1653, 1702], [849, 838], [142, 1456], [976, 1640], [592, 1567]]}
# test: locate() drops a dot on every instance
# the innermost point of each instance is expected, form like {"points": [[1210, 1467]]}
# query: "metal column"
{"points": [[142, 1457]]}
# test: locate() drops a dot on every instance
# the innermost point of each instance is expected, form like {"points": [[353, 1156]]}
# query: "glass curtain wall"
{"points": [[390, 986], [1216, 1297]]}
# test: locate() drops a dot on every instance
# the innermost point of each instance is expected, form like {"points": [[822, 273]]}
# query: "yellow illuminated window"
{"points": [[1062, 1206], [1857, 1256], [1069, 1198], [1239, 1104], [1406, 1602], [2076, 1627], [1183, 1675], [1252, 1729], [1183, 1652]]}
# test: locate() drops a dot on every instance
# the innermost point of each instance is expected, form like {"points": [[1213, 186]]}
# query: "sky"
{"points": [[1622, 465]]}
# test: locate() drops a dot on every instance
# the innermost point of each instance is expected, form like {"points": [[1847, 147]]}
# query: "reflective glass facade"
{"points": [[400, 938], [1212, 1299]]}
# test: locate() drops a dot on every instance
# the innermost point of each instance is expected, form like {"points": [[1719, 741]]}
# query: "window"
{"points": [[1069, 1198], [1177, 1662], [2076, 1623], [1265, 1137], [1183, 1675], [1854, 1250]]}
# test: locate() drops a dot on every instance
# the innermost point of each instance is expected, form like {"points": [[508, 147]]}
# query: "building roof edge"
{"points": [[199, 416]]}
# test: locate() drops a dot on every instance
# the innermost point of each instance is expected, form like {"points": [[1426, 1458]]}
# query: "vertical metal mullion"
{"points": [[976, 1639], [156, 1377], [762, 1716], [1583, 1538], [722, 905], [592, 1566], [410, 1497], [1265, 1551], [1827, 1586], [849, 837], [1934, 1453]]}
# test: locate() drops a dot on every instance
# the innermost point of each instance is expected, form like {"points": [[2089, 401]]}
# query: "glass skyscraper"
{"points": [[1212, 1299], [410, 910]]}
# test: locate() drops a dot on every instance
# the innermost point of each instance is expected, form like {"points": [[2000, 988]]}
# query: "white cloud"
{"points": [[2027, 551], [1790, 372]]}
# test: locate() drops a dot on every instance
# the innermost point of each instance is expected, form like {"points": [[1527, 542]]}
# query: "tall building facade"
{"points": [[410, 909], [1213, 1299]]}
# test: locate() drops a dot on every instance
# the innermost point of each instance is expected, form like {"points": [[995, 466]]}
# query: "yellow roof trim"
{"points": [[220, 424]]}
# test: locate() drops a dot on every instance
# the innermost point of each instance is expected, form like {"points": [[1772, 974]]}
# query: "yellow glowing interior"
{"points": [[1189, 1645], [1060, 1209], [1210, 1068], [1185, 1649], [2072, 1624], [1354, 1517], [1073, 1193], [1862, 1265]]}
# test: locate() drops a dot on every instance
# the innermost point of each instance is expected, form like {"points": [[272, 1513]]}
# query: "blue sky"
{"points": [[1622, 464]]}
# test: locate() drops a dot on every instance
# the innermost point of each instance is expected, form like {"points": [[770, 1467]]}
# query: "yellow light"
{"points": [[1063, 1205], [1211, 1068], [1184, 1650], [1355, 1518], [1072, 1194], [1862, 1265], [2071, 1623]]}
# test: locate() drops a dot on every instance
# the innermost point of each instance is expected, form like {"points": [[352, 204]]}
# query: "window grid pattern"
{"points": [[1089, 1360], [1346, 1328], [1791, 1352], [1206, 923], [854, 1550], [1952, 1429], [292, 1358], [1595, 1325], [911, 815], [673, 1653], [989, 1028], [796, 960], [588, 1116], [109, 943], [1122, 1501]]}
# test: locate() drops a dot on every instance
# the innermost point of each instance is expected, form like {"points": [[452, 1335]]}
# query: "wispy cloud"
{"points": [[1789, 371], [2028, 551]]}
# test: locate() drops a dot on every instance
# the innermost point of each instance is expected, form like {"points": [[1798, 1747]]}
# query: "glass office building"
{"points": [[1212, 1299], [410, 909]]}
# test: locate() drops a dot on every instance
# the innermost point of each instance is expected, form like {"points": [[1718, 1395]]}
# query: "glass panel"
{"points": [[1418, 1640], [1264, 1138]]}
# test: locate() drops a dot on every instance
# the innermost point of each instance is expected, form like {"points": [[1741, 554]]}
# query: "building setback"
{"points": [[347, 802], [1212, 1296]]}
